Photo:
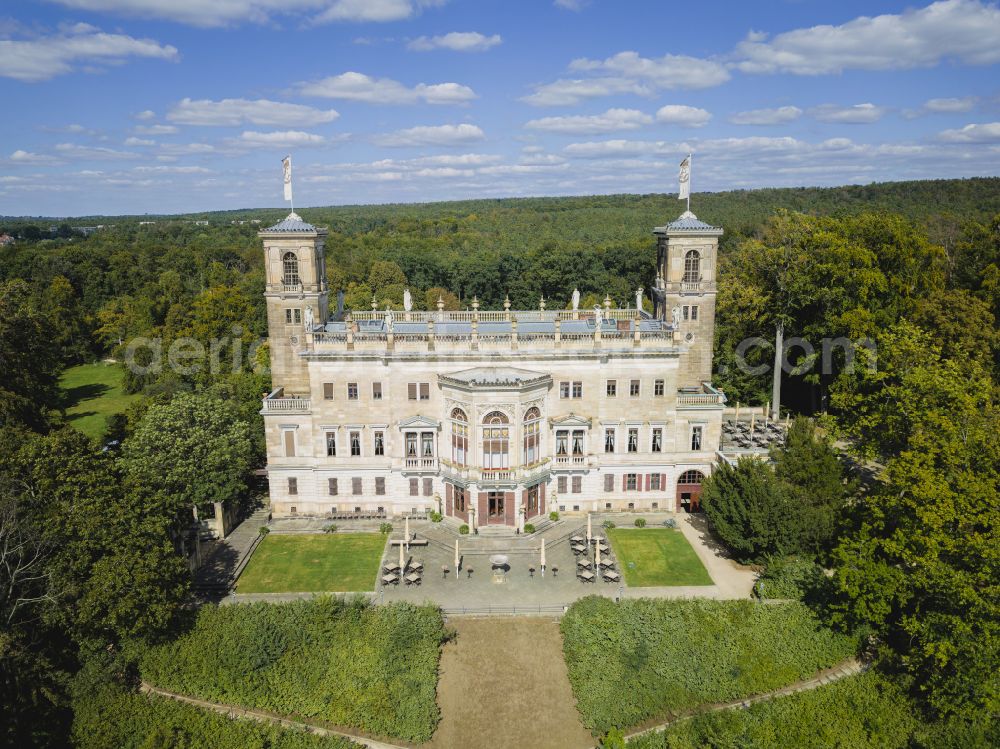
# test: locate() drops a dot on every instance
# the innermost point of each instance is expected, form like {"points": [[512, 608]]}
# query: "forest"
{"points": [[92, 582]]}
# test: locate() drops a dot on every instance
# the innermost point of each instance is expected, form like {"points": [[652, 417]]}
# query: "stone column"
{"points": [[513, 334], [440, 306], [558, 328], [430, 335], [506, 307]]}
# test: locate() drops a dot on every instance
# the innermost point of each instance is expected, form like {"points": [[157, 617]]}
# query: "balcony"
{"points": [[420, 465], [705, 396], [277, 403]]}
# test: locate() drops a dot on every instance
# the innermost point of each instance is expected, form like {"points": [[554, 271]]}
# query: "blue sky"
{"points": [[133, 106]]}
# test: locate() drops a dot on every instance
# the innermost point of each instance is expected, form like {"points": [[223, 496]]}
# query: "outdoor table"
{"points": [[612, 576], [416, 566], [390, 567], [578, 549], [586, 576], [585, 563], [576, 539], [413, 579], [390, 579], [607, 563], [596, 539]]}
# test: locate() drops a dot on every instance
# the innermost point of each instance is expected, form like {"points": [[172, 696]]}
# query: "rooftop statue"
{"points": [[576, 299], [407, 300]]}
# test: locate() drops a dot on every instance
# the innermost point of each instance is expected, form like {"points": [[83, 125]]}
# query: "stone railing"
{"points": [[287, 405], [498, 315], [709, 396]]}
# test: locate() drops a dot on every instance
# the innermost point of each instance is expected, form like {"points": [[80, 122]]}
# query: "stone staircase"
{"points": [[225, 562]]}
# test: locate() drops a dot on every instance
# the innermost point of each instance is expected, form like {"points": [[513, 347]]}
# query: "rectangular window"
{"points": [[331, 444], [425, 391], [379, 447], [609, 482], [612, 388], [355, 444], [577, 389], [428, 487], [564, 390], [332, 486], [328, 391], [654, 482], [414, 487], [356, 485], [658, 388], [459, 499], [694, 312], [609, 440], [577, 484], [427, 444], [352, 391], [411, 444], [633, 440], [289, 443], [561, 484], [578, 442], [562, 437], [411, 391], [687, 312], [288, 317], [297, 316], [293, 486], [376, 391], [633, 388], [696, 438], [657, 442], [380, 485], [631, 482]]}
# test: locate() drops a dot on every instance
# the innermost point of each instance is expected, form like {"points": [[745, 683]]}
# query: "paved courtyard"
{"points": [[523, 587]]}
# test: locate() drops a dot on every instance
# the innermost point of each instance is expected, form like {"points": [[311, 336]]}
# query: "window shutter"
{"points": [[411, 391], [624, 482]]}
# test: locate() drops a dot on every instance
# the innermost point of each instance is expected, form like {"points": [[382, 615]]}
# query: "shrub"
{"points": [[608, 525], [613, 739], [529, 528], [463, 529], [553, 516], [793, 577], [373, 668], [641, 659], [385, 528], [670, 523], [264, 530], [330, 528], [436, 517], [640, 522]]}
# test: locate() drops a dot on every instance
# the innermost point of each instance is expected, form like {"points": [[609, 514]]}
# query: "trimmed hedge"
{"points": [[643, 658], [860, 712], [347, 662], [794, 578], [108, 716]]}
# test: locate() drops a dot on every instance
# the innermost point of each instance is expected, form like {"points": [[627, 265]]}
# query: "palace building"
{"points": [[492, 417]]}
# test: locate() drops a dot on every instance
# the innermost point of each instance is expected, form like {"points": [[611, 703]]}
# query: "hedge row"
{"points": [[111, 718], [644, 658], [861, 712], [355, 665]]}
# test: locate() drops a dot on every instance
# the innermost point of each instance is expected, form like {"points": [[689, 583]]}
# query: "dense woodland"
{"points": [[91, 578]]}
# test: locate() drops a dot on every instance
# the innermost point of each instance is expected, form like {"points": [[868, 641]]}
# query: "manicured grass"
{"points": [[657, 556], [93, 393], [330, 563]]}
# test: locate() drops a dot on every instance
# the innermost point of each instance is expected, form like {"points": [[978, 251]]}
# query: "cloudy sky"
{"points": [[132, 106]]}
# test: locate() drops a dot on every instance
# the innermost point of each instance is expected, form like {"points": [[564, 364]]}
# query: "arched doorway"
{"points": [[689, 491]]}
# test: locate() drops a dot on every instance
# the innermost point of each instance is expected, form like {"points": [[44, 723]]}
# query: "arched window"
{"points": [[691, 477], [532, 419], [459, 437], [692, 267], [496, 441], [290, 269]]}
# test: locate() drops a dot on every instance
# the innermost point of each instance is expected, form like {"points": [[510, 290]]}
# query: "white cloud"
{"points": [[987, 132], [458, 41], [156, 129], [146, 115], [435, 135], [570, 91], [283, 139], [608, 148], [964, 30], [667, 72], [570, 4], [92, 153], [776, 116], [232, 12], [360, 87], [27, 157], [679, 114], [233, 112], [963, 104], [173, 169], [139, 142], [40, 59], [858, 114], [610, 121]]}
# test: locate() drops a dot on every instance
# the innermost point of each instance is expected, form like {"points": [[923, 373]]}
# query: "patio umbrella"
{"points": [[456, 559], [737, 411], [402, 561], [542, 561], [589, 534], [753, 417], [597, 557], [406, 530]]}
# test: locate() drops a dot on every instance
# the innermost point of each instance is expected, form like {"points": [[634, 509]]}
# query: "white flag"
{"points": [[685, 179], [286, 164]]}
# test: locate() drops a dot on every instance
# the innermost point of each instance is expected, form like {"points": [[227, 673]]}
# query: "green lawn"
{"points": [[333, 562], [93, 393], [652, 557]]}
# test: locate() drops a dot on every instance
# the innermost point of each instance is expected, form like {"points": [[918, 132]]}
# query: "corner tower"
{"points": [[686, 265], [296, 295]]}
